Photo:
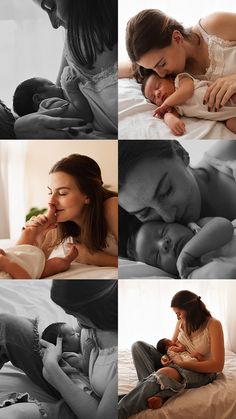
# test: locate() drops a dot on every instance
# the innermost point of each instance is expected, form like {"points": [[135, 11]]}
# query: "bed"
{"points": [[30, 299], [136, 120], [130, 269], [77, 270], [214, 401]]}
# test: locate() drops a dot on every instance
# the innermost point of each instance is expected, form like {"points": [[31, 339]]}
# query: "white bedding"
{"points": [[77, 270], [136, 120], [130, 269], [214, 401]]}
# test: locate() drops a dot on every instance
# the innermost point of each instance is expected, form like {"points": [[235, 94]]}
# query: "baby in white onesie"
{"points": [[184, 96]]}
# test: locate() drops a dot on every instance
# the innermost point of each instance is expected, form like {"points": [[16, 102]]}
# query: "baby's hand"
{"points": [[177, 127], [186, 263], [84, 255], [162, 110], [165, 360], [197, 355]]}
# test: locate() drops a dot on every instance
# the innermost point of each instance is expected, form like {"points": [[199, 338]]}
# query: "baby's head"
{"points": [[159, 244], [157, 89], [70, 338], [163, 345], [30, 93]]}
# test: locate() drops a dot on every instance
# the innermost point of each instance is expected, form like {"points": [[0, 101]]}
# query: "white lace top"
{"points": [[198, 343], [222, 55]]}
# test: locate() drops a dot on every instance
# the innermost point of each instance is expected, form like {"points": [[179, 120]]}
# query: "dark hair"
{"points": [[128, 227], [196, 311], [87, 175], [130, 152], [52, 331], [151, 29], [7, 122], [92, 27], [96, 300], [161, 346], [23, 103]]}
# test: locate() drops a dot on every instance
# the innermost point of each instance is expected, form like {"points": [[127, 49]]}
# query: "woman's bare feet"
{"points": [[155, 402]]}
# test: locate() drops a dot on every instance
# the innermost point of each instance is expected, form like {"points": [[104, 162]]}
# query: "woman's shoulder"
{"points": [[213, 324], [110, 204], [220, 24]]}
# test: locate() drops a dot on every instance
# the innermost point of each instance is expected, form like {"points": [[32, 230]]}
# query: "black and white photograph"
{"points": [[58, 349], [177, 72], [177, 349], [59, 209], [177, 209], [58, 77]]}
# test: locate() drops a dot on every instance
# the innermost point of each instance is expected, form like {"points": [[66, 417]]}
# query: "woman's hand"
{"points": [[49, 124], [44, 222], [186, 263], [51, 355], [219, 92], [177, 360]]}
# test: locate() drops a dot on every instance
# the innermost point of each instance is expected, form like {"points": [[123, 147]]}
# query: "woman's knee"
{"points": [[170, 372], [21, 411]]}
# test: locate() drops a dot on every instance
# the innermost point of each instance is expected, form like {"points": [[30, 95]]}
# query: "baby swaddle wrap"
{"points": [[30, 258]]}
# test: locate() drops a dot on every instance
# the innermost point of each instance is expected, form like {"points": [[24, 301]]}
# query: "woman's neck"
{"points": [[197, 56]]}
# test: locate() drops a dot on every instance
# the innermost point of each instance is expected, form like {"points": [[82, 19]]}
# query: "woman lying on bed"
{"points": [[158, 42], [157, 183], [199, 332], [85, 212], [94, 304]]}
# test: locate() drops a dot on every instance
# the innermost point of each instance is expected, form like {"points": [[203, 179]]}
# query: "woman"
{"points": [[157, 42], [157, 182], [84, 210], [94, 304], [199, 332], [91, 50]]}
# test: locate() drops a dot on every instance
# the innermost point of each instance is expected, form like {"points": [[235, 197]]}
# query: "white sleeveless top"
{"points": [[199, 343], [222, 55]]}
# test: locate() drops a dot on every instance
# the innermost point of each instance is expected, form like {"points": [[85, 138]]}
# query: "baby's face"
{"points": [[157, 89], [169, 343], [70, 339], [159, 244], [49, 89]]}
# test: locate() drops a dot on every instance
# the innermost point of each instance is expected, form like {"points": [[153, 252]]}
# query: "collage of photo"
{"points": [[118, 209]]}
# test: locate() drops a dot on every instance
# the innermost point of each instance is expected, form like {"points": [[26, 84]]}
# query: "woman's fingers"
{"points": [[45, 343]]}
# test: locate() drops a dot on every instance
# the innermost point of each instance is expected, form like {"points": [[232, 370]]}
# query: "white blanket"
{"points": [[136, 120], [214, 401], [130, 269]]}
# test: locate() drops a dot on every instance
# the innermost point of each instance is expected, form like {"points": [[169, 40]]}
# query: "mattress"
{"points": [[129, 269]]}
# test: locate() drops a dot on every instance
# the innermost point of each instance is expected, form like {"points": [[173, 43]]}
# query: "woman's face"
{"points": [[168, 60], [164, 189], [57, 11], [181, 314], [67, 197]]}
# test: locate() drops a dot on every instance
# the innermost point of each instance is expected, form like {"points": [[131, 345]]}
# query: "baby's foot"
{"points": [[155, 402], [72, 254]]}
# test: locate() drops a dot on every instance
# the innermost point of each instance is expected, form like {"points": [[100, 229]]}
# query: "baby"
{"points": [[39, 94], [203, 250], [27, 261], [76, 350], [185, 96], [169, 348]]}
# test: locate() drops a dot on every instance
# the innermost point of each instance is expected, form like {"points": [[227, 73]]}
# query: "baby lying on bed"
{"points": [[184, 97], [26, 261], [38, 94], [200, 251]]}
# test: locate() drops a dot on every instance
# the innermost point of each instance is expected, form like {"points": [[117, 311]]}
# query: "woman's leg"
{"points": [[164, 384], [19, 344], [21, 411], [146, 359]]}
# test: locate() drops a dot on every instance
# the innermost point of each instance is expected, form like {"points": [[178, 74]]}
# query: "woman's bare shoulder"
{"points": [[221, 24], [214, 324], [111, 204]]}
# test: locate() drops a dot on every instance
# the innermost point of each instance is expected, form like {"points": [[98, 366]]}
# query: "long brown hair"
{"points": [[87, 175], [151, 29], [196, 311]]}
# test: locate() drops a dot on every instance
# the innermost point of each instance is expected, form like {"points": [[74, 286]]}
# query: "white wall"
{"points": [[185, 11], [42, 154], [29, 46]]}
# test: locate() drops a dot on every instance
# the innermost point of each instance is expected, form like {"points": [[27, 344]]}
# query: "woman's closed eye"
{"points": [[164, 194]]}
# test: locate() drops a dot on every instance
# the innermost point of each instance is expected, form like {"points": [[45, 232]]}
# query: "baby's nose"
{"points": [[164, 244]]}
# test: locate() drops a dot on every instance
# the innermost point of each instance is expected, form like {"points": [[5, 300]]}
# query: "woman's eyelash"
{"points": [[166, 193]]}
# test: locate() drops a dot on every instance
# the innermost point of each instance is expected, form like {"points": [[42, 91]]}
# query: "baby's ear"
{"points": [[36, 99]]}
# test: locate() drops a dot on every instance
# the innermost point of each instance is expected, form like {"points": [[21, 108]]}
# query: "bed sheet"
{"points": [[77, 270], [214, 401], [136, 120], [130, 269]]}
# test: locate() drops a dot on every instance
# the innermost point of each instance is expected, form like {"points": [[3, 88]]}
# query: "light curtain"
{"points": [[145, 313]]}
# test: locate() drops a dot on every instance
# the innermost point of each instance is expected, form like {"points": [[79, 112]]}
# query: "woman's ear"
{"points": [[177, 37]]}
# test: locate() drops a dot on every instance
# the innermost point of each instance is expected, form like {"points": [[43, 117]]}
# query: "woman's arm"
{"points": [[215, 363], [111, 215], [216, 233], [99, 258], [221, 24]]}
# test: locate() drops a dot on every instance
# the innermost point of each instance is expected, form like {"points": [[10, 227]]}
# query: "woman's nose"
{"points": [[161, 72], [52, 199], [167, 214], [164, 244]]}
